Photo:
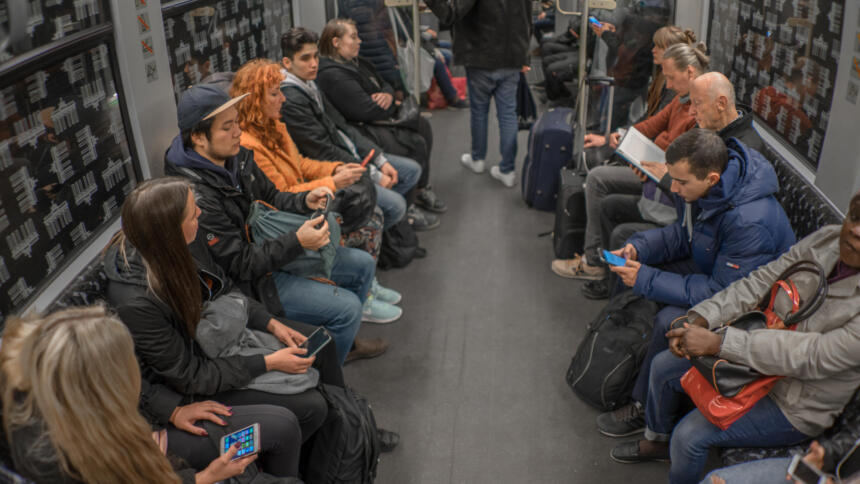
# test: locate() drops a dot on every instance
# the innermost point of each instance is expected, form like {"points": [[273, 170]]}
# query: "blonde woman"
{"points": [[70, 386]]}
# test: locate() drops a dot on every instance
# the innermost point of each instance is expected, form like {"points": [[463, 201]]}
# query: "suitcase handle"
{"points": [[600, 80]]}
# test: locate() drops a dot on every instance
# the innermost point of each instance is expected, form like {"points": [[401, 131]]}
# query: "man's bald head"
{"points": [[713, 101]]}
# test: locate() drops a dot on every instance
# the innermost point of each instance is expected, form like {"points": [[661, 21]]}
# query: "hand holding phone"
{"points": [[247, 438], [802, 471], [612, 259], [322, 211], [594, 21], [315, 342]]}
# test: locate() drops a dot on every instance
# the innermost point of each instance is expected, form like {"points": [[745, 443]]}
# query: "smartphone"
{"points": [[801, 471], [594, 22], [612, 259], [322, 211], [368, 157], [248, 439], [315, 342]]}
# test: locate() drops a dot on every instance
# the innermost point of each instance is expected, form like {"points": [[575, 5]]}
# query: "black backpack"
{"points": [[399, 244], [607, 361], [346, 448]]}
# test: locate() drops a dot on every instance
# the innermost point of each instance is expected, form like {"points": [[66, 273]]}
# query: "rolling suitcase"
{"points": [[550, 144], [568, 235]]}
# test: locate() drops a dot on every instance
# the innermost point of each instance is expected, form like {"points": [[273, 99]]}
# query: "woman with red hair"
{"points": [[279, 158]]}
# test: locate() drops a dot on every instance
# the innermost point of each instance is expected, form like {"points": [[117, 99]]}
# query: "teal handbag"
{"points": [[267, 222]]}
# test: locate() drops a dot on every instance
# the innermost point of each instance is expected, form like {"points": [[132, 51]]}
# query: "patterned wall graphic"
{"points": [[65, 168], [51, 20], [219, 36], [781, 56]]}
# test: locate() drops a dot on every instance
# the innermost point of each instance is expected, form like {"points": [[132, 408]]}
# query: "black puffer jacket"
{"points": [[225, 198], [349, 86], [487, 34]]}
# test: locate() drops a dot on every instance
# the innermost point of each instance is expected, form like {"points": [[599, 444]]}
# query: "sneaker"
{"points": [[507, 179], [420, 220], [577, 268], [379, 312], [426, 198], [458, 104], [596, 290], [384, 294], [475, 165], [366, 348], [637, 451], [622, 422]]}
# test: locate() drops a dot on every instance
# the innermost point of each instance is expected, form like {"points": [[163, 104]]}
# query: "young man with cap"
{"points": [[227, 182]]}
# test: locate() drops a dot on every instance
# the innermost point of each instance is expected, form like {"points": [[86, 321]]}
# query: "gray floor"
{"points": [[474, 378]]}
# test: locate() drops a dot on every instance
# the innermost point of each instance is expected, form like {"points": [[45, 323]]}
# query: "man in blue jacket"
{"points": [[729, 223]]}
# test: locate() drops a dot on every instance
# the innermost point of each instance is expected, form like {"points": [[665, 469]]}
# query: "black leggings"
{"points": [[280, 440]]}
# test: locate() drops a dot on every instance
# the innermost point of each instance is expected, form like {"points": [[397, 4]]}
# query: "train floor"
{"points": [[474, 378]]}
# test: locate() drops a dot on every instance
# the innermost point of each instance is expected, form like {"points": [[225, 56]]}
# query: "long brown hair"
{"points": [[152, 217], [256, 78], [335, 28], [73, 375]]}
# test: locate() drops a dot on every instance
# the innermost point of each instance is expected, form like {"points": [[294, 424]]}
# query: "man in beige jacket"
{"points": [[820, 359]]}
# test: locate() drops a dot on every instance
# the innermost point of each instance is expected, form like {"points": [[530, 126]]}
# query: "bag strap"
{"points": [[810, 306]]}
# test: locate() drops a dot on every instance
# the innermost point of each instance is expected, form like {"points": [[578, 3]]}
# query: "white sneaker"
{"points": [[475, 165], [507, 179]]}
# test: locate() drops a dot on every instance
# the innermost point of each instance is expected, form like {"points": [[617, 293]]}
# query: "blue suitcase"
{"points": [[550, 146]]}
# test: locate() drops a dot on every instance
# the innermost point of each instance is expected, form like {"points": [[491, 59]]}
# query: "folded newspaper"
{"points": [[635, 148]]}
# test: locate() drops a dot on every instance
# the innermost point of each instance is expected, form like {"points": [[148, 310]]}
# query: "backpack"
{"points": [[606, 363], [346, 448], [399, 244]]}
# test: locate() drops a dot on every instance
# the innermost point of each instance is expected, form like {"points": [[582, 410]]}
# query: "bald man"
{"points": [[712, 102]]}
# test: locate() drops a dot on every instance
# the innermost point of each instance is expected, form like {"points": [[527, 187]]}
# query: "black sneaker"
{"points": [[632, 452], [427, 199], [458, 104], [597, 290], [420, 220], [627, 420]]}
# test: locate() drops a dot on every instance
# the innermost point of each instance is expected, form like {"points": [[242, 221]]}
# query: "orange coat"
{"points": [[672, 121], [286, 167]]}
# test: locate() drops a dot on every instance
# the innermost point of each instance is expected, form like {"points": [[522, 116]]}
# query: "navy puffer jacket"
{"points": [[737, 227], [377, 36]]}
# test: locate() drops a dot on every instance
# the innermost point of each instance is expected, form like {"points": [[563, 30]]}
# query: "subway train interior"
{"points": [[433, 183]]}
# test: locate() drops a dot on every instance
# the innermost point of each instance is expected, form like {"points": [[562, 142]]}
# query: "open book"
{"points": [[636, 147]]}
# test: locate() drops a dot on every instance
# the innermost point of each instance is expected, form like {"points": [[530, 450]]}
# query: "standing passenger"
{"points": [[491, 38]]}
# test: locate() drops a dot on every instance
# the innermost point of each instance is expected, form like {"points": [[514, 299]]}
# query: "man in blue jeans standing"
{"points": [[491, 38]]}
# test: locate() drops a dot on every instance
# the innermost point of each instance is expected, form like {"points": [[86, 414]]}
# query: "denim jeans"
{"points": [[392, 201], [500, 84], [659, 343], [337, 308], [764, 425], [767, 471]]}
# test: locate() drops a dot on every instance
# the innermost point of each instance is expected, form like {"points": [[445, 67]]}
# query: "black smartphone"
{"points": [[315, 342], [801, 471], [248, 439], [322, 211]]}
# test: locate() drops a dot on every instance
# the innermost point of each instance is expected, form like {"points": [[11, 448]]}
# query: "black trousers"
{"points": [[558, 69], [280, 440], [411, 143]]}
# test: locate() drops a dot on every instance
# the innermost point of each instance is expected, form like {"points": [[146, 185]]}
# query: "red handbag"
{"points": [[724, 391]]}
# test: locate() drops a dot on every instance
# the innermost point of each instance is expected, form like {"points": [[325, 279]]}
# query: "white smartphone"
{"points": [[801, 471], [248, 439]]}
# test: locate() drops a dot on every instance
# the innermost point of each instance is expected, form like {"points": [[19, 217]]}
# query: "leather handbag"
{"points": [[406, 115], [724, 391]]}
